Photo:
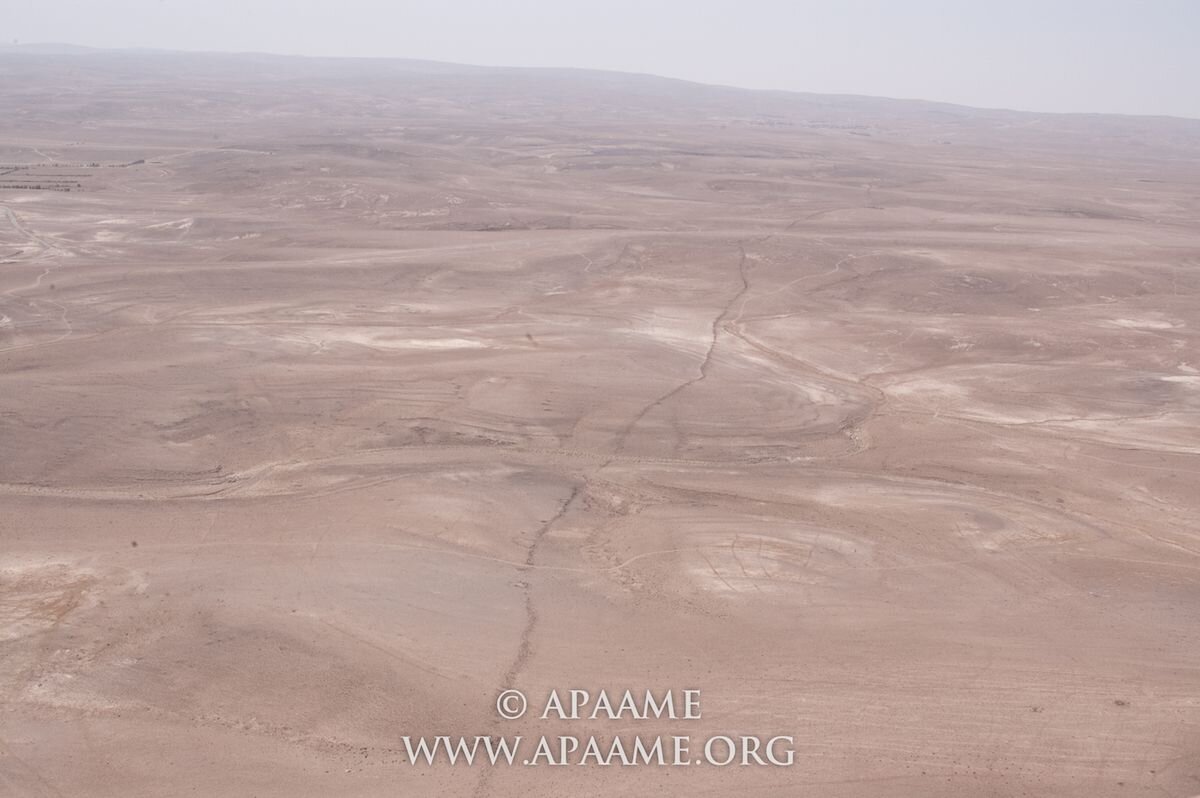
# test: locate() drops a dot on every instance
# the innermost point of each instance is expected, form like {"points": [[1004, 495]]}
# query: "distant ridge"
{"points": [[398, 64]]}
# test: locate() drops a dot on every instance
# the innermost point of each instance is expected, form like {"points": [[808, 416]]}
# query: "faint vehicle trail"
{"points": [[47, 249]]}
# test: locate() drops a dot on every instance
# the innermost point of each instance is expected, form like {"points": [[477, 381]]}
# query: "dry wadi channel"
{"points": [[336, 396]]}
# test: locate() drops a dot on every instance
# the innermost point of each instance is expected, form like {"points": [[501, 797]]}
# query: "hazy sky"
{"points": [[1046, 55]]}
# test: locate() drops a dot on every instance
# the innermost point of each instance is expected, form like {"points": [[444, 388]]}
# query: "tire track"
{"points": [[48, 249]]}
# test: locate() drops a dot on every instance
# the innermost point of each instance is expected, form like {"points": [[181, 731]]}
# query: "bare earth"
{"points": [[336, 397]]}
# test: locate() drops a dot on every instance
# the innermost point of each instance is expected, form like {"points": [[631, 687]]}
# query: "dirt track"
{"points": [[378, 388]]}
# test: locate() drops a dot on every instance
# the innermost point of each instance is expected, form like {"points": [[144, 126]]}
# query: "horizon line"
{"points": [[87, 49]]}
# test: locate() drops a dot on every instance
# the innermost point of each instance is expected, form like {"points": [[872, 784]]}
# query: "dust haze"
{"points": [[337, 396]]}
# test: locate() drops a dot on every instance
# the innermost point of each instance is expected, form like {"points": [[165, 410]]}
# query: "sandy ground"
{"points": [[336, 397]]}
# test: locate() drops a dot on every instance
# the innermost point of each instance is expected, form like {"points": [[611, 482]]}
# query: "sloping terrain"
{"points": [[337, 396]]}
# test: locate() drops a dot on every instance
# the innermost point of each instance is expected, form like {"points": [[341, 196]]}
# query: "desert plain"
{"points": [[337, 396]]}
